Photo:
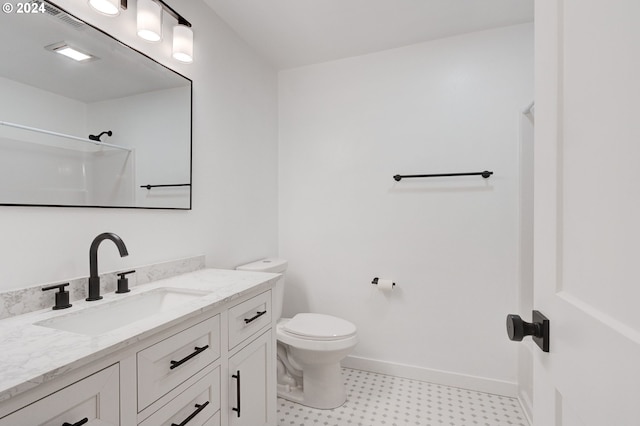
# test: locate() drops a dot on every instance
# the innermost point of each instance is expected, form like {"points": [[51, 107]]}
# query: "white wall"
{"points": [[234, 216], [30, 106], [37, 167], [450, 244], [162, 148], [55, 170], [111, 177]]}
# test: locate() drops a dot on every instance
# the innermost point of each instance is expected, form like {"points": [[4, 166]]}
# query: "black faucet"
{"points": [[94, 279]]}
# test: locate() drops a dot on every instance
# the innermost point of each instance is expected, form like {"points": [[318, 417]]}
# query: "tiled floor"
{"points": [[379, 400]]}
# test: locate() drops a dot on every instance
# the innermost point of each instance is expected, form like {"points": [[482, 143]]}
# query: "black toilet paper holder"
{"points": [[375, 281]]}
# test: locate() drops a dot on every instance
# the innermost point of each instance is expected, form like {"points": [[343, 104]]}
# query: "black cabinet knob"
{"points": [[517, 329]]}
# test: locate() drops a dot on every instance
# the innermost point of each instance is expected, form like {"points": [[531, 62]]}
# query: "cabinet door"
{"points": [[252, 399], [95, 398]]}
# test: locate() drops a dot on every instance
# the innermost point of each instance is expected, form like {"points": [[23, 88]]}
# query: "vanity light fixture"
{"points": [[108, 7], [149, 24], [149, 20], [182, 32]]}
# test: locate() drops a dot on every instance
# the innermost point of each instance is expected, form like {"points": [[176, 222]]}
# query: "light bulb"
{"points": [[183, 43], [149, 20], [106, 7]]}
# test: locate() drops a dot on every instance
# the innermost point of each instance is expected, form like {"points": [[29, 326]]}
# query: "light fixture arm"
{"points": [[166, 7], [173, 13]]}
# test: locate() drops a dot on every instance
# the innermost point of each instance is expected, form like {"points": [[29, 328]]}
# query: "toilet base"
{"points": [[322, 387], [291, 393]]}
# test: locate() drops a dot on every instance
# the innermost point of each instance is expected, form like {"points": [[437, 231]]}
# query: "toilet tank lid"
{"points": [[270, 264], [319, 326]]}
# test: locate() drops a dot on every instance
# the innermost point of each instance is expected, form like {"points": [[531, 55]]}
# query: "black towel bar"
{"points": [[164, 186], [484, 174]]}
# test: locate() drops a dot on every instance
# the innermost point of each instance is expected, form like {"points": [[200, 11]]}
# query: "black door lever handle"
{"points": [[517, 329]]}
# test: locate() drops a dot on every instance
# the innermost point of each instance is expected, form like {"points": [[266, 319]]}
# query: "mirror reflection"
{"points": [[88, 121]]}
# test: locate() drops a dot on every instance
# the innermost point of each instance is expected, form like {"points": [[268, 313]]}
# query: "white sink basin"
{"points": [[101, 319]]}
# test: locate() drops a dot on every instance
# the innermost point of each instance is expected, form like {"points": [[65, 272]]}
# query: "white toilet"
{"points": [[310, 348]]}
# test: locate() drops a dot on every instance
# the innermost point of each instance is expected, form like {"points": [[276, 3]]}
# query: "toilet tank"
{"points": [[271, 264]]}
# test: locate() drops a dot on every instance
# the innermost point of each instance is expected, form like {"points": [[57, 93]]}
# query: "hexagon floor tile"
{"points": [[380, 400]]}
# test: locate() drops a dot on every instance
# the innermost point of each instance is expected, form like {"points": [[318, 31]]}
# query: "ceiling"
{"points": [[293, 33]]}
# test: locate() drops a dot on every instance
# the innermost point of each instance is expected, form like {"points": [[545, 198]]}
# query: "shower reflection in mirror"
{"points": [[89, 130]]}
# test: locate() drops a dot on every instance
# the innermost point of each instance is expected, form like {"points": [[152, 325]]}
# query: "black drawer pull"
{"points": [[199, 407], [255, 317], [237, 377], [175, 364], [80, 423]]}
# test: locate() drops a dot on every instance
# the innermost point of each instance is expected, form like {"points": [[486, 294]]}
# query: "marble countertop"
{"points": [[31, 354]]}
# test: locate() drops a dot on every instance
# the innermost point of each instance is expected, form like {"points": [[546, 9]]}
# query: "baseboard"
{"points": [[447, 378]]}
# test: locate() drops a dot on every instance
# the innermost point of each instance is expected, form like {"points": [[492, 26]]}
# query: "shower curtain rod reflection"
{"points": [[484, 174], [62, 135]]}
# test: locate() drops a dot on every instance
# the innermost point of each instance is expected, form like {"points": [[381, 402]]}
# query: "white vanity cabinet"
{"points": [[94, 398], [182, 375], [251, 363]]}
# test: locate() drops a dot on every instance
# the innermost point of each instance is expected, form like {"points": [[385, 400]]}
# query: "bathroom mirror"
{"points": [[110, 130]]}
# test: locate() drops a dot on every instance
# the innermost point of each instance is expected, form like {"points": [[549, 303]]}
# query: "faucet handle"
{"points": [[123, 282], [62, 297]]}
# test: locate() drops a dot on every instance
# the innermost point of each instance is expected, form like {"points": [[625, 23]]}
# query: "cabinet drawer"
{"points": [[249, 317], [168, 363], [95, 398], [199, 402], [213, 421]]}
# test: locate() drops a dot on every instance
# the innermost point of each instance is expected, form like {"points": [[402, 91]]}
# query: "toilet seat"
{"points": [[319, 327], [316, 343]]}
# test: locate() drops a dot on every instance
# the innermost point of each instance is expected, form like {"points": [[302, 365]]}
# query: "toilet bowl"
{"points": [[310, 348]]}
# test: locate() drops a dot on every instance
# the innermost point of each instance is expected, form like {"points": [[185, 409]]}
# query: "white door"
{"points": [[587, 212]]}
